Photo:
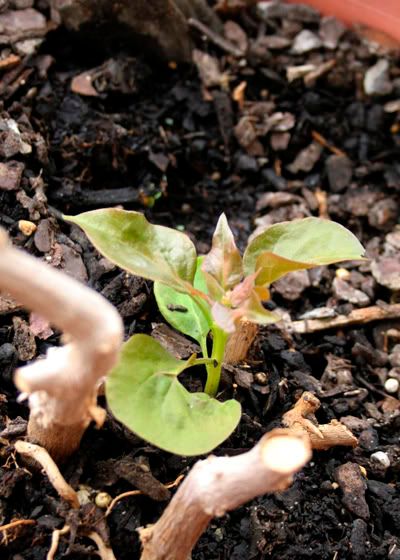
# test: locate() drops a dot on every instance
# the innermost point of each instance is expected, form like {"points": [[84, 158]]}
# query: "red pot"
{"points": [[383, 15]]}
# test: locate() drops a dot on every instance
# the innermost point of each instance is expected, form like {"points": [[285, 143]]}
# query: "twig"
{"points": [[137, 493], [55, 539], [105, 552], [114, 502], [324, 142], [356, 317], [310, 78], [40, 455], [219, 484], [216, 38], [322, 436], [62, 387], [9, 62], [16, 523]]}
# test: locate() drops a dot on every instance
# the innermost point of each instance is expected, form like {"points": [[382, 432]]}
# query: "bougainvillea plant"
{"points": [[205, 298]]}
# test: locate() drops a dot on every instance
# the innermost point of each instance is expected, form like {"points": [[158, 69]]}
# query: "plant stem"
{"points": [[204, 362], [220, 338]]}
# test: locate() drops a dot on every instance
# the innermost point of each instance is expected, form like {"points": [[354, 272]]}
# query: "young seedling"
{"points": [[199, 296], [62, 387]]}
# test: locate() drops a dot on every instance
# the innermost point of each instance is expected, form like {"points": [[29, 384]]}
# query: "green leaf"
{"points": [[144, 393], [195, 321], [182, 312], [199, 280], [224, 262], [297, 245], [127, 239], [269, 265], [254, 311]]}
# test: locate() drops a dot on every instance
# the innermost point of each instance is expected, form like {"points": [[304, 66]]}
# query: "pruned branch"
{"points": [[322, 436], [219, 484], [62, 387]]}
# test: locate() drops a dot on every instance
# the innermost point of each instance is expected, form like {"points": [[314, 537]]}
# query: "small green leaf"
{"points": [[195, 321], [297, 245], [224, 262], [131, 242], [182, 312], [144, 393]]}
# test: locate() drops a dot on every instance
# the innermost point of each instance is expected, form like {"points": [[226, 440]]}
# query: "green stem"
{"points": [[220, 338], [203, 362]]}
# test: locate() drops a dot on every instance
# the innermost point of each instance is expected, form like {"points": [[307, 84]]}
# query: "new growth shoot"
{"points": [[206, 298]]}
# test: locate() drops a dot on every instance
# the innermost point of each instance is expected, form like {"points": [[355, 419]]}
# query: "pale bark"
{"points": [[322, 436], [62, 387], [220, 484], [41, 456], [239, 343]]}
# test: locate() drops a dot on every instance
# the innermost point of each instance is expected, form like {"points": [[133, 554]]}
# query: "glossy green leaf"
{"points": [[297, 245], [183, 312], [224, 262], [127, 239], [144, 393]]}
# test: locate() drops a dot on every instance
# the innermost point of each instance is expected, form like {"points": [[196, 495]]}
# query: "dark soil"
{"points": [[158, 140]]}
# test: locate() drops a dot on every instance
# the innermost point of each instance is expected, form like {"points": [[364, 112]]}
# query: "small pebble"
{"points": [[342, 273], [219, 535], [391, 385], [376, 80], [84, 494], [27, 227], [261, 378], [346, 292], [339, 170], [330, 31], [306, 41], [381, 458], [103, 500], [363, 471], [386, 271]]}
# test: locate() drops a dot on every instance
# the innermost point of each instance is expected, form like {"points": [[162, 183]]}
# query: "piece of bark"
{"points": [[239, 343], [158, 26], [16, 25], [322, 436], [24, 339], [62, 387], [11, 175], [219, 484], [353, 485]]}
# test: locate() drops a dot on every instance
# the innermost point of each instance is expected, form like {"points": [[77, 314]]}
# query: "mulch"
{"points": [[292, 116]]}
